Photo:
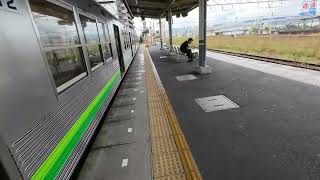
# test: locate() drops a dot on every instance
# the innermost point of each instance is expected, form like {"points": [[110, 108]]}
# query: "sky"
{"points": [[232, 14]]}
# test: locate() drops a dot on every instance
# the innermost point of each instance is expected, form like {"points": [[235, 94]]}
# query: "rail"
{"points": [[310, 66]]}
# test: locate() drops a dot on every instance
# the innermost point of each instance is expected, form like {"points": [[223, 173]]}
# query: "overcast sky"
{"points": [[230, 14]]}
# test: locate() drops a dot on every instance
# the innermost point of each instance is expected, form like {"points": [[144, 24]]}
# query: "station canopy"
{"points": [[157, 8]]}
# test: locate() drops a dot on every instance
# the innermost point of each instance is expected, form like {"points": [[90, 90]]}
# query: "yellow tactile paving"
{"points": [[163, 144], [172, 177], [172, 159], [162, 130], [167, 164]]}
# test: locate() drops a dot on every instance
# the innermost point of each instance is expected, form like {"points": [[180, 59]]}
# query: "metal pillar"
{"points": [[202, 68], [153, 34], [160, 28], [202, 32], [170, 27]]}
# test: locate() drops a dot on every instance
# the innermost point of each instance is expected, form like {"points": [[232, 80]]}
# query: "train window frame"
{"points": [[45, 49], [86, 44]]}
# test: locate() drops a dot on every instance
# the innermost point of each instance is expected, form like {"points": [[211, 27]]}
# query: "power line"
{"points": [[232, 2]]}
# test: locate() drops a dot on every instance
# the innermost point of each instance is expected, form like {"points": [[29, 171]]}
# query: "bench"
{"points": [[175, 50]]}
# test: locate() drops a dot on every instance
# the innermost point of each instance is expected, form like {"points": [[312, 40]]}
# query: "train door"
{"points": [[131, 44], [119, 49]]}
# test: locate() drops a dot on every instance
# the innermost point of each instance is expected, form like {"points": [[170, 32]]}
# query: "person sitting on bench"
{"points": [[185, 49]]}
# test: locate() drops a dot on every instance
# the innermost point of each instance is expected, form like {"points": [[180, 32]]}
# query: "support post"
{"points": [[160, 29], [153, 34], [202, 32], [202, 68], [170, 27]]}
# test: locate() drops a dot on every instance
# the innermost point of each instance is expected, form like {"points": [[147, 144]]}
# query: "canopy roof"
{"points": [[157, 8]]}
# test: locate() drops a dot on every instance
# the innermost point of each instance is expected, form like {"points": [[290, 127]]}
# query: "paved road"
{"points": [[274, 135]]}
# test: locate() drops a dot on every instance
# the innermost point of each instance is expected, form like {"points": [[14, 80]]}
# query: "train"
{"points": [[61, 63]]}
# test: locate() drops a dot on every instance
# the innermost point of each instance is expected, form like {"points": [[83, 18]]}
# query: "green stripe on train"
{"points": [[50, 168]]}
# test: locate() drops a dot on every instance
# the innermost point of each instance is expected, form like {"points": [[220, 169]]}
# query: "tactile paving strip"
{"points": [[171, 157], [166, 164]]}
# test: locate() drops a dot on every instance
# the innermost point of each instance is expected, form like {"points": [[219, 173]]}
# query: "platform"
{"points": [[247, 120], [140, 138], [121, 149], [273, 134]]}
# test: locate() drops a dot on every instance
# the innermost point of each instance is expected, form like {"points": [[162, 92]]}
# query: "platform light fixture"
{"points": [[184, 14], [107, 2]]}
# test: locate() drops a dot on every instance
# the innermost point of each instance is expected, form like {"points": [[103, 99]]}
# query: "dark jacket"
{"points": [[184, 46]]}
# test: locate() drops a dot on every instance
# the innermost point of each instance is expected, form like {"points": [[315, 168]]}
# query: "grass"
{"points": [[300, 48]]}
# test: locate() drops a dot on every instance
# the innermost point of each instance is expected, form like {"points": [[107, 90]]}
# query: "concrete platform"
{"points": [[122, 148], [140, 138], [273, 135]]}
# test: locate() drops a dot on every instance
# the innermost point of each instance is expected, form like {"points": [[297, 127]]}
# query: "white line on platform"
{"points": [[124, 162], [132, 111], [294, 73], [129, 130]]}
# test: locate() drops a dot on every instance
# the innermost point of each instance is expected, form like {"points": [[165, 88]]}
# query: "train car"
{"points": [[61, 62]]}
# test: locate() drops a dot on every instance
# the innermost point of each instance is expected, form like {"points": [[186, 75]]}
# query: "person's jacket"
{"points": [[184, 46]]}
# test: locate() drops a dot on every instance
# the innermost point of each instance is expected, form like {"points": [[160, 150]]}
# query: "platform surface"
{"points": [[273, 135], [140, 138], [122, 149]]}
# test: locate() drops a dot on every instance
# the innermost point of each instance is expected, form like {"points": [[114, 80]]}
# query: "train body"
{"points": [[61, 62]]}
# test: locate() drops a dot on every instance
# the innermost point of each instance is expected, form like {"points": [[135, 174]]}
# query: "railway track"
{"points": [[272, 60]]}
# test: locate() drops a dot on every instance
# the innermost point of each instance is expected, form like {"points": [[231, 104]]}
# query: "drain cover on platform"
{"points": [[186, 77], [216, 103]]}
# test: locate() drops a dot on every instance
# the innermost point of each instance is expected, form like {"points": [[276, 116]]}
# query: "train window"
{"points": [[127, 40], [107, 32], [124, 39], [95, 56], [56, 25], [108, 39], [66, 65], [90, 31], [101, 32], [106, 51], [60, 40], [93, 46]]}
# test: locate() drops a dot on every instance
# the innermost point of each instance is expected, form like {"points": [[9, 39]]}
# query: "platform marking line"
{"points": [[125, 162], [129, 130], [171, 155], [293, 73], [132, 111]]}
